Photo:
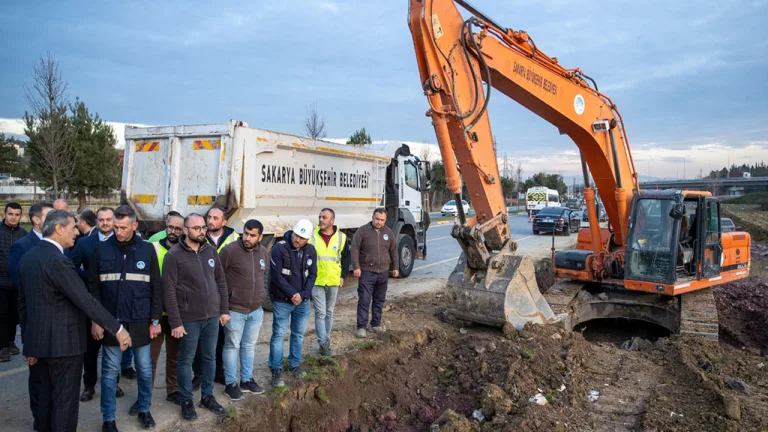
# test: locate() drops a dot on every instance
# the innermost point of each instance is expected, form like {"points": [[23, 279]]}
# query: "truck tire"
{"points": [[267, 305], [406, 254]]}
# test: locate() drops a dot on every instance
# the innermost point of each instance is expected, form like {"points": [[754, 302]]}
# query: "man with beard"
{"points": [[244, 263], [197, 303], [174, 228], [219, 235], [162, 234], [10, 232], [81, 258], [124, 276], [292, 274], [333, 259]]}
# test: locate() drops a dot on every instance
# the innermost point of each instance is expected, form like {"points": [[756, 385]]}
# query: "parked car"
{"points": [[557, 219], [449, 208], [727, 225]]}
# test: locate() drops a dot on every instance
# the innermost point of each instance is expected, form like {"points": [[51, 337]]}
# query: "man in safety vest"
{"points": [[174, 228], [219, 235], [333, 260], [124, 276]]}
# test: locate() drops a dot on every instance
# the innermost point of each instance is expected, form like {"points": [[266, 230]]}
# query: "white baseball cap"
{"points": [[303, 229]]}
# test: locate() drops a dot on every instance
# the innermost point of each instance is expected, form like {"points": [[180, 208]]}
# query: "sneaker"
{"points": [[233, 391], [251, 387], [13, 349], [134, 409], [297, 372], [378, 329], [277, 378], [129, 373], [174, 397], [5, 355], [146, 421], [361, 333], [209, 403], [188, 410]]}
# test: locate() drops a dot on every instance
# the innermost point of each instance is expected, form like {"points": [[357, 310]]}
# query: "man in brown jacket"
{"points": [[244, 262], [196, 300], [374, 256]]}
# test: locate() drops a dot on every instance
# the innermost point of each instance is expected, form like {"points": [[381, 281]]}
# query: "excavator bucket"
{"points": [[506, 292]]}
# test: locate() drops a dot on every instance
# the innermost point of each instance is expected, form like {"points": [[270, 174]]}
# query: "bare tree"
{"points": [[50, 147], [519, 174], [314, 125]]}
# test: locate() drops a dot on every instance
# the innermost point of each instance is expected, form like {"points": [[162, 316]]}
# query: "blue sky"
{"points": [[689, 76]]}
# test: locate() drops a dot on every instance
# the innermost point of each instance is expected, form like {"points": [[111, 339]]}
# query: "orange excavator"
{"points": [[658, 246]]}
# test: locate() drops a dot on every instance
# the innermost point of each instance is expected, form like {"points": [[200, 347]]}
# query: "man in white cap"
{"points": [[292, 274]]}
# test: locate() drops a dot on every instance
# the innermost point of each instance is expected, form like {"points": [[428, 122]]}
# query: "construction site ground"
{"points": [[429, 372]]}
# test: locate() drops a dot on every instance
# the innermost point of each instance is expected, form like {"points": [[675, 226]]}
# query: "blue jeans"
{"points": [[324, 300], [299, 317], [241, 334], [207, 333], [110, 369], [127, 359]]}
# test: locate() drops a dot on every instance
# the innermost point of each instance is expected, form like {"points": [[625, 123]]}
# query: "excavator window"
{"points": [[651, 248]]}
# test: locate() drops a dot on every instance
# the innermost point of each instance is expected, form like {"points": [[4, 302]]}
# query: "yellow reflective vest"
{"points": [[329, 257], [230, 238]]}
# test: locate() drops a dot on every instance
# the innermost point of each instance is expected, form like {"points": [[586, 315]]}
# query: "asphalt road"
{"points": [[428, 276]]}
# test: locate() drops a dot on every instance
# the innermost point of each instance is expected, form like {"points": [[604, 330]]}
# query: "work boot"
{"points": [[87, 394], [378, 329], [119, 392], [146, 421], [134, 409], [251, 387], [209, 402], [233, 391], [297, 372], [109, 426], [361, 333], [277, 378], [5, 355], [129, 373], [325, 350], [174, 397], [13, 349], [188, 410]]}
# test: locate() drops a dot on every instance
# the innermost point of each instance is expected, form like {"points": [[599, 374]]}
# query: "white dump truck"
{"points": [[276, 178]]}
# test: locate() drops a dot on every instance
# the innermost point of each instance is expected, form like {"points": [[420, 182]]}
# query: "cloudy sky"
{"points": [[688, 76]]}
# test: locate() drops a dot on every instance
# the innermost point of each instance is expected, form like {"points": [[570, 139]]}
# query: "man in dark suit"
{"points": [[37, 215], [53, 303]]}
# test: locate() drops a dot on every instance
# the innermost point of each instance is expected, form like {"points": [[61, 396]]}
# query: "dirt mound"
{"points": [[708, 387], [743, 313], [545, 277]]}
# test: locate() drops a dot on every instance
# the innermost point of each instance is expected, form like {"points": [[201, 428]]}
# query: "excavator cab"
{"points": [[674, 238]]}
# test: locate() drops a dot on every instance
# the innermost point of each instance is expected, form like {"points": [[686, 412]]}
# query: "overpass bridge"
{"points": [[723, 186]]}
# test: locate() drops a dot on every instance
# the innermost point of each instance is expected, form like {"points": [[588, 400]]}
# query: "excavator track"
{"points": [[693, 313]]}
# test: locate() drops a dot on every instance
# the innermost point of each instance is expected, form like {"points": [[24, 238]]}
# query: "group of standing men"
{"points": [[198, 287]]}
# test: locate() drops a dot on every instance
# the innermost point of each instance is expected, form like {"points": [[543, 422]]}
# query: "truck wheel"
{"points": [[267, 305], [406, 252]]}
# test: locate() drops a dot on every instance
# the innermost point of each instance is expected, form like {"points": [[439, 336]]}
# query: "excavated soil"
{"points": [[431, 375]]}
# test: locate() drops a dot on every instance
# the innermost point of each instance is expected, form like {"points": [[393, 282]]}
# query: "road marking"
{"points": [[436, 263], [13, 371]]}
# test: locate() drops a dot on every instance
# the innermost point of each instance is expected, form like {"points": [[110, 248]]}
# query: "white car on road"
{"points": [[450, 208]]}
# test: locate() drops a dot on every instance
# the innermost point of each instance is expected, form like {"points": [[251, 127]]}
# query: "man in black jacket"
{"points": [[53, 303], [10, 231], [292, 274], [124, 276]]}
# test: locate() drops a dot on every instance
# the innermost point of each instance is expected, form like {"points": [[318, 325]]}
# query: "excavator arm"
{"points": [[455, 56], [461, 62]]}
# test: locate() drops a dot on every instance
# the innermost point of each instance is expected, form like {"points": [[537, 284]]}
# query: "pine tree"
{"points": [[360, 137]]}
